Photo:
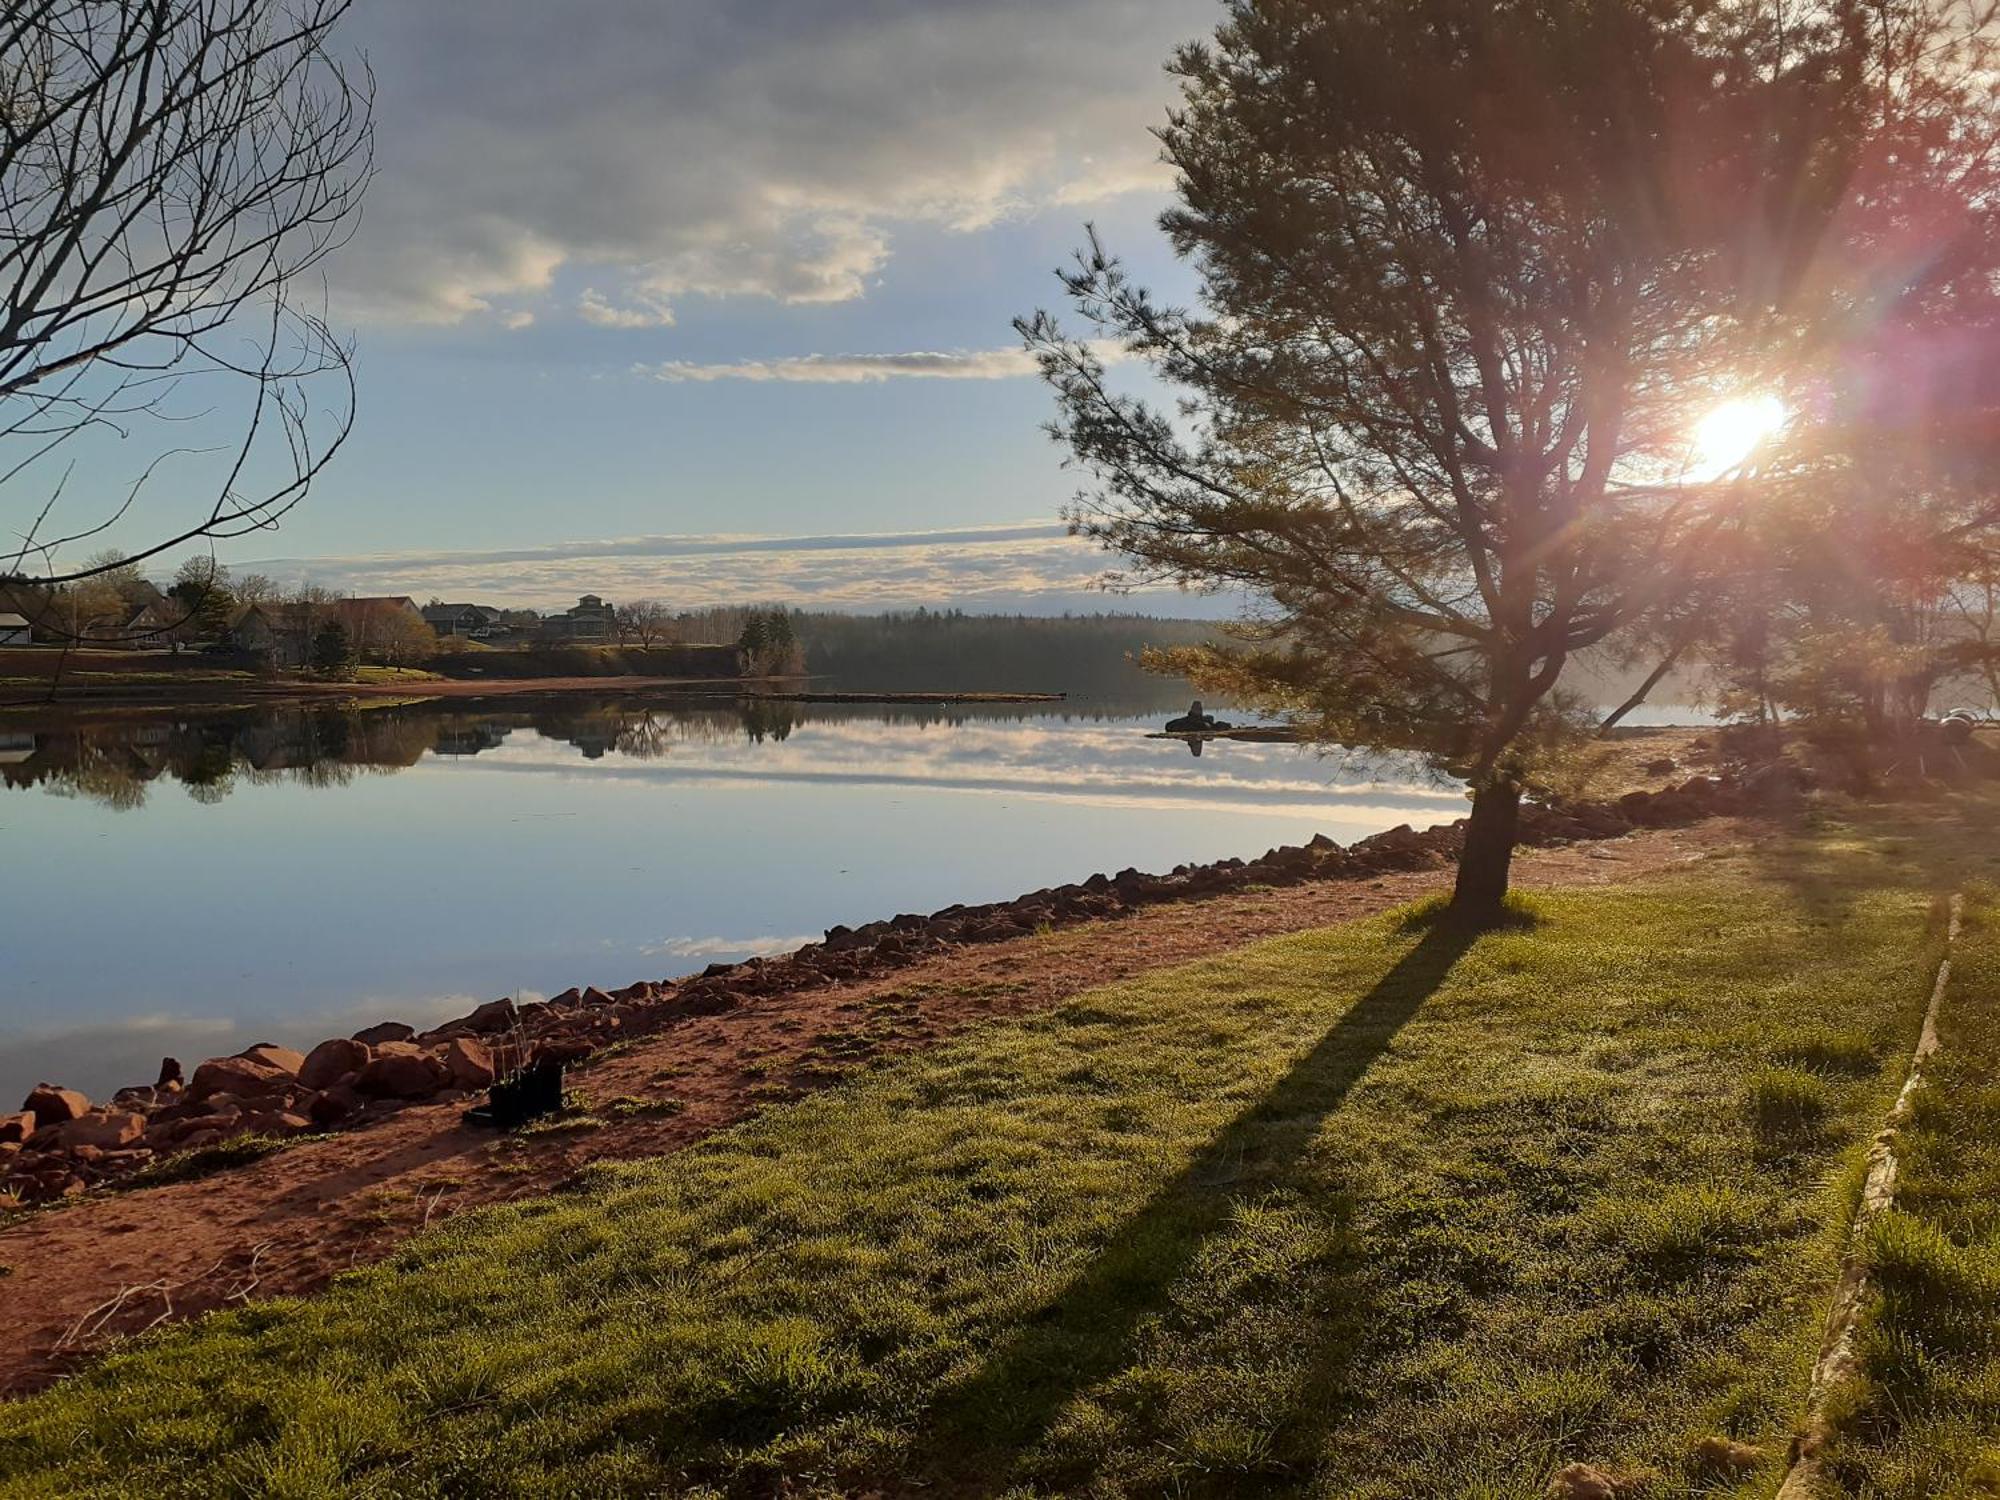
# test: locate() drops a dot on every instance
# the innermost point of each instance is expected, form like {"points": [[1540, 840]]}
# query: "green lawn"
{"points": [[1927, 1424], [1373, 1211]]}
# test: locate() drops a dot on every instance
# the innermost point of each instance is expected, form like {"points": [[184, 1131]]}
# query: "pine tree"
{"points": [[1470, 271], [333, 652]]}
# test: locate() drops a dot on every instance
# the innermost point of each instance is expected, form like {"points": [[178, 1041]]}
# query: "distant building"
{"points": [[14, 630], [474, 621], [283, 633], [590, 620]]}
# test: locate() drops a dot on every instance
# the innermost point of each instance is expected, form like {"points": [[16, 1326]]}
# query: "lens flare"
{"points": [[1727, 436]]}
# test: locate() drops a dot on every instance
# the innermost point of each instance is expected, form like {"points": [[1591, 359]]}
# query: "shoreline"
{"points": [[352, 1082], [227, 695], [257, 1214]]}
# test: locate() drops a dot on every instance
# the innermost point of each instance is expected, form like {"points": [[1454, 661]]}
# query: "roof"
{"points": [[13, 622]]}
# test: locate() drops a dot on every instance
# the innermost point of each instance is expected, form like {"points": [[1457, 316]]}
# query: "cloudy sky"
{"points": [[641, 279]]}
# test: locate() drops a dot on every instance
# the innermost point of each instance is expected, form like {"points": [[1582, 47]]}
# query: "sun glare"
{"points": [[1733, 431]]}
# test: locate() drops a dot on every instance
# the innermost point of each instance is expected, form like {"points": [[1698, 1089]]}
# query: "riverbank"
{"points": [[1162, 1202], [667, 1067]]}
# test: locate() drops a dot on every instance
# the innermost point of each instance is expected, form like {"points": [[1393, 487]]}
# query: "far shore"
{"points": [[20, 698]]}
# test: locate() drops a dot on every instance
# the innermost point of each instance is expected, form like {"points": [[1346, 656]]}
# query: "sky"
{"points": [[636, 277]]}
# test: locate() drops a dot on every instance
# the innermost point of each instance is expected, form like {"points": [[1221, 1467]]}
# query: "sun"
{"points": [[1727, 436]]}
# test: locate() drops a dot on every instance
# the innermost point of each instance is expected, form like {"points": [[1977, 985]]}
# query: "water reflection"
{"points": [[193, 883], [116, 761]]}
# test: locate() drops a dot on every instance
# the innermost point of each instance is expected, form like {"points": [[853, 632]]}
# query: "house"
{"points": [[283, 633], [14, 630], [591, 619], [151, 626], [472, 620]]}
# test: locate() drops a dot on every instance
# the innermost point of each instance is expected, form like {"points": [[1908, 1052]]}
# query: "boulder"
{"points": [[284, 1059], [332, 1060], [399, 1070], [469, 1064], [594, 996], [384, 1031], [494, 1015], [110, 1131], [51, 1105], [276, 1122], [241, 1077], [331, 1106], [1666, 765], [562, 1049], [170, 1074], [17, 1127]]}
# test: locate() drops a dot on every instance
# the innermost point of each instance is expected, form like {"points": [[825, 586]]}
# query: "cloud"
{"points": [[723, 947], [854, 369], [661, 149], [645, 312], [1035, 565], [849, 369]]}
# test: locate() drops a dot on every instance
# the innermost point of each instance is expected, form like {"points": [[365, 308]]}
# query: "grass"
{"points": [[217, 1156], [1927, 1421], [1373, 1211]]}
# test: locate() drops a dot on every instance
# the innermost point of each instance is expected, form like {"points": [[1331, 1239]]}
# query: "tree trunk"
{"points": [[1488, 856]]}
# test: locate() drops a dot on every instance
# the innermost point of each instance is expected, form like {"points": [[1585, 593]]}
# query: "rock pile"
{"points": [[60, 1144]]}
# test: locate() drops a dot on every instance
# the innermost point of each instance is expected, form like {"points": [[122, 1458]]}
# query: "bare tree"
{"points": [[170, 172], [645, 622]]}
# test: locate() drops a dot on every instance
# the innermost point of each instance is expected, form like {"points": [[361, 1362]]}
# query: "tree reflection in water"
{"points": [[116, 760]]}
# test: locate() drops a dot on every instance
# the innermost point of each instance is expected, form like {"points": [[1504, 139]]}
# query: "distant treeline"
{"points": [[948, 650]]}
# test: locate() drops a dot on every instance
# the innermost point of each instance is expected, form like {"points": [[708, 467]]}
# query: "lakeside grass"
{"points": [[1926, 1421], [1372, 1211]]}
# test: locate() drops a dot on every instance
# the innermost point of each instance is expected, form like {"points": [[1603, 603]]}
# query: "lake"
{"points": [[191, 884]]}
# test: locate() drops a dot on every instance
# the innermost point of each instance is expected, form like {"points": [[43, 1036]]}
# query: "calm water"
{"points": [[190, 886]]}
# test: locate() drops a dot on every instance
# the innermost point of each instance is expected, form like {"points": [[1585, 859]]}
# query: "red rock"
{"points": [[284, 1059], [469, 1064], [595, 996], [241, 1077], [333, 1060], [51, 1105], [195, 1140], [335, 1104], [399, 1070], [494, 1015], [563, 1049], [276, 1122], [105, 1132], [17, 1127], [385, 1031]]}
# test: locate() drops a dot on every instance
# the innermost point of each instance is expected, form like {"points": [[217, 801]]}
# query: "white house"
{"points": [[13, 630]]}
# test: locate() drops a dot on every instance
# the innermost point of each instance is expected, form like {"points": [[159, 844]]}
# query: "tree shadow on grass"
{"points": [[1086, 1335], [1838, 857]]}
